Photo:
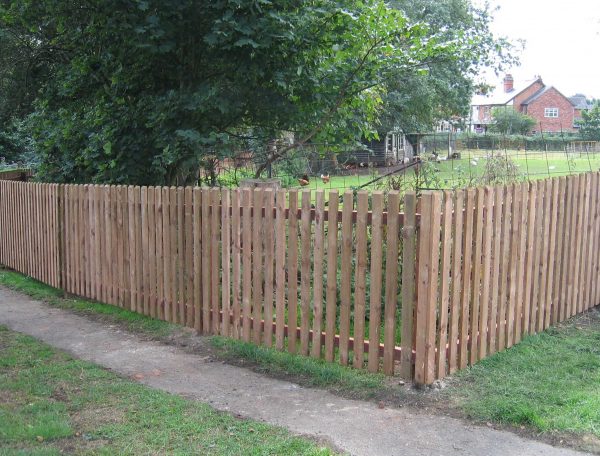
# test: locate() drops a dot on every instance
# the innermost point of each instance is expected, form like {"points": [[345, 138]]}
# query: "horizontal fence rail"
{"points": [[453, 278]]}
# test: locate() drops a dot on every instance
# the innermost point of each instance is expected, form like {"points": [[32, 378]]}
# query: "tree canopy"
{"points": [[509, 121], [149, 91], [589, 124], [416, 101]]}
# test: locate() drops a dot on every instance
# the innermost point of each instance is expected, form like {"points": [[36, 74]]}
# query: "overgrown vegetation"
{"points": [[53, 404]]}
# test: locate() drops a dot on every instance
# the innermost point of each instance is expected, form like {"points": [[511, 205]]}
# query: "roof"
{"points": [[536, 95], [541, 92], [499, 97], [579, 101]]}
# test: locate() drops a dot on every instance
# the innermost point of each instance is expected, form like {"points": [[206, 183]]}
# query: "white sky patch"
{"points": [[562, 42]]}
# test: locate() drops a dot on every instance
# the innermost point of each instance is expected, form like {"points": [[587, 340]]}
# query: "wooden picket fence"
{"points": [[498, 263], [258, 265], [453, 278]]}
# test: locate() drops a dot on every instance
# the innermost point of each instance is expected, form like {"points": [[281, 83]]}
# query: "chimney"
{"points": [[508, 83]]}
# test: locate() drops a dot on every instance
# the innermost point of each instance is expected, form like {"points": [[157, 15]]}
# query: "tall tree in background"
{"points": [[415, 102], [589, 125], [147, 92]]}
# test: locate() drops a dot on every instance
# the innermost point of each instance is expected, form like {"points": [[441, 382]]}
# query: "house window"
{"points": [[551, 112]]}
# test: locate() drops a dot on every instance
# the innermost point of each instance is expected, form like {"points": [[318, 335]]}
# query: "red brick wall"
{"points": [[528, 92], [552, 98]]}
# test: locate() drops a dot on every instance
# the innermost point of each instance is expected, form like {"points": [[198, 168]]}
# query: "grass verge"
{"points": [[306, 371], [549, 382], [53, 404], [303, 370], [130, 320]]}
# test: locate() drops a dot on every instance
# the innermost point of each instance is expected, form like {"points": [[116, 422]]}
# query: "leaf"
{"points": [[246, 42]]}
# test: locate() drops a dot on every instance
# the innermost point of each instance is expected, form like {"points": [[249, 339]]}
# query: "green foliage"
{"points": [[16, 146], [509, 121], [151, 92], [549, 381], [500, 169], [291, 167], [233, 177], [498, 141], [415, 101], [590, 123]]}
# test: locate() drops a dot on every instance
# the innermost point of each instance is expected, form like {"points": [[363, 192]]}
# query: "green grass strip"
{"points": [[549, 381], [52, 403], [309, 371], [37, 290]]}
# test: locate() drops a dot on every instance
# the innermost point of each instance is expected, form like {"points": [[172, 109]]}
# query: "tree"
{"points": [[509, 121], [22, 70], [589, 125], [149, 91], [416, 101]]}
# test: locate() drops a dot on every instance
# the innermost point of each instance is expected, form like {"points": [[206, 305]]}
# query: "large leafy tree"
{"points": [[23, 68], [416, 101], [148, 92]]}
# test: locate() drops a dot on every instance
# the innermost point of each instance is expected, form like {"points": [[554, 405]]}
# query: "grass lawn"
{"points": [[53, 404], [471, 165], [534, 165], [550, 381]]}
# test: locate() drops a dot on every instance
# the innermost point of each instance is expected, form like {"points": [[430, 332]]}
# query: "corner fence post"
{"points": [[408, 284], [425, 330]]}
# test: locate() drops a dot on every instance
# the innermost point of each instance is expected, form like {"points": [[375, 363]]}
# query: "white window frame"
{"points": [[551, 113]]}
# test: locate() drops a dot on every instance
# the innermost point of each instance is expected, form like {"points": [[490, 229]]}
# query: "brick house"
{"points": [[553, 112]]}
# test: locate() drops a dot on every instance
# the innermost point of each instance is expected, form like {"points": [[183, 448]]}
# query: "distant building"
{"points": [[553, 112]]}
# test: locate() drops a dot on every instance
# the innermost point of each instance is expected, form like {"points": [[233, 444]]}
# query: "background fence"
{"points": [[349, 279], [23, 174]]}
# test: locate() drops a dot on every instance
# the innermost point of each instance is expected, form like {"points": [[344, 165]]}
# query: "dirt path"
{"points": [[359, 428]]}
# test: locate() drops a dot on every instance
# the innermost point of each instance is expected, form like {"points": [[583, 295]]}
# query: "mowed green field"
{"points": [[531, 165]]}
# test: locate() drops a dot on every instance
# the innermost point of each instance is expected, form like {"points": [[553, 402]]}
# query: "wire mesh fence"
{"points": [[435, 162], [432, 161]]}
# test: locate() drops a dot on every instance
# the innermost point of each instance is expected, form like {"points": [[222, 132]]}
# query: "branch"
{"points": [[328, 115]]}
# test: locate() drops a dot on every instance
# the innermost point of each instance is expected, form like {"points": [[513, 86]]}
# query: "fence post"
{"points": [[60, 209], [408, 283], [429, 237]]}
